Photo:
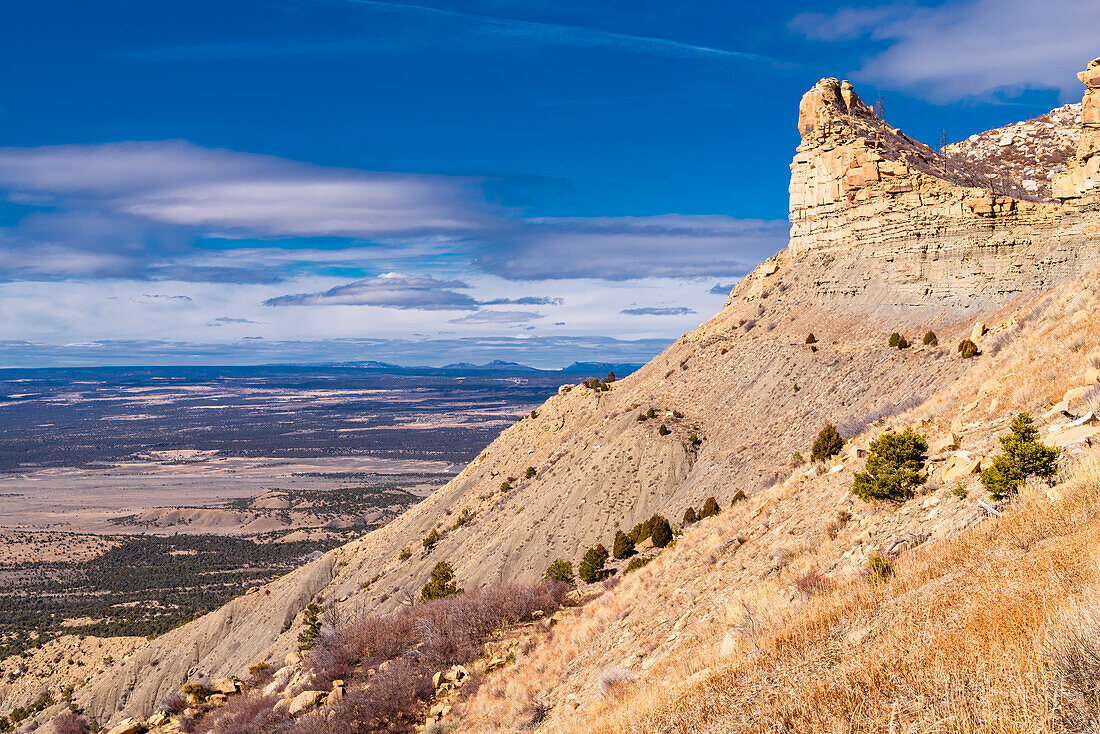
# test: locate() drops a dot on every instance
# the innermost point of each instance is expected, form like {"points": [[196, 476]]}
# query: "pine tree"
{"points": [[441, 583]]}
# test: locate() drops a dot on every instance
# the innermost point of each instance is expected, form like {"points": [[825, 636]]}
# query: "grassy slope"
{"points": [[728, 632]]}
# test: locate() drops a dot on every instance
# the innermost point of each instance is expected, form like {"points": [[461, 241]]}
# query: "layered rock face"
{"points": [[1079, 184], [957, 228]]}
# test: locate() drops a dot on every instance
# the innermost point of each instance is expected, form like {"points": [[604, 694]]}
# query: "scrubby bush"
{"points": [[689, 516], [560, 572], [431, 539], [796, 459], [505, 486], [894, 339], [592, 565], [641, 417], [893, 469], [651, 413], [441, 583], [405, 554], [531, 472], [828, 443], [198, 690], [740, 496], [930, 338], [903, 343], [311, 627], [710, 508], [968, 349], [623, 546], [1023, 457], [663, 430], [695, 441], [636, 562], [662, 531], [879, 569], [811, 339]]}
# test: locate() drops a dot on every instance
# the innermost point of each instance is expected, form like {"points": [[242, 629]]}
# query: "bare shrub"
{"points": [[534, 713], [613, 681], [813, 583], [173, 703], [70, 723], [243, 715]]}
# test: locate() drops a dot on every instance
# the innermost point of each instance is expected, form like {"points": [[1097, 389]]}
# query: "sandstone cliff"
{"points": [[886, 236]]}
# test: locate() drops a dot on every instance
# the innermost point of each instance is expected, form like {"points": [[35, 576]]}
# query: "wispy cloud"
{"points": [[497, 317], [229, 320], [570, 35], [524, 301], [720, 289], [964, 48], [617, 248], [391, 290], [658, 311]]}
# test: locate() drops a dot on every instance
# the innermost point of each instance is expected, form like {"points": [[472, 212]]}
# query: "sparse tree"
{"points": [[710, 508], [662, 531], [1023, 457], [689, 516], [441, 583], [623, 546], [561, 572], [893, 469], [828, 443], [592, 565]]}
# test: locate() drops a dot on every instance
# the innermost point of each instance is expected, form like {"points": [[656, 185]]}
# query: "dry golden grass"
{"points": [[980, 633]]}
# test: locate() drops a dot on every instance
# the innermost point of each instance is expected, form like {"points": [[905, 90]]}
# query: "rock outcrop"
{"points": [[1079, 184]]}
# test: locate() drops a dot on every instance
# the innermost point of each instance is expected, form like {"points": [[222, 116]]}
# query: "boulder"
{"points": [[977, 332], [961, 465], [228, 686], [950, 442], [126, 726], [157, 719], [495, 664], [305, 701], [457, 673]]}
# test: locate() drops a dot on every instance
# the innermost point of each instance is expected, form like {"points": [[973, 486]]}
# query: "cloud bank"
{"points": [[965, 48]]}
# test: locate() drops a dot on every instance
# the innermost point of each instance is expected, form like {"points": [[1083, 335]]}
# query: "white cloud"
{"points": [[391, 290], [965, 48]]}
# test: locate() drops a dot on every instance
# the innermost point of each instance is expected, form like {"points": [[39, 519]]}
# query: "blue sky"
{"points": [[305, 180]]}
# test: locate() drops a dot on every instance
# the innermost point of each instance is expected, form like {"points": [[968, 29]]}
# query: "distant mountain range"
{"points": [[586, 369]]}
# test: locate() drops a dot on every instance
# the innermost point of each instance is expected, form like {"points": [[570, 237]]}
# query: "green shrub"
{"points": [[879, 569], [710, 508], [592, 565], [505, 486], [893, 469], [695, 441], [959, 491], [441, 583], [431, 539], [739, 497], [534, 414], [663, 430], [689, 516], [894, 339], [530, 473], [641, 417], [562, 572], [651, 413], [828, 443], [930, 338], [811, 339], [610, 377], [796, 459], [311, 627], [623, 546], [636, 563], [405, 554], [968, 349], [677, 414], [662, 531], [1023, 457]]}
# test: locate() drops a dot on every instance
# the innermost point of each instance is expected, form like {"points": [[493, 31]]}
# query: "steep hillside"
{"points": [[884, 238]]}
